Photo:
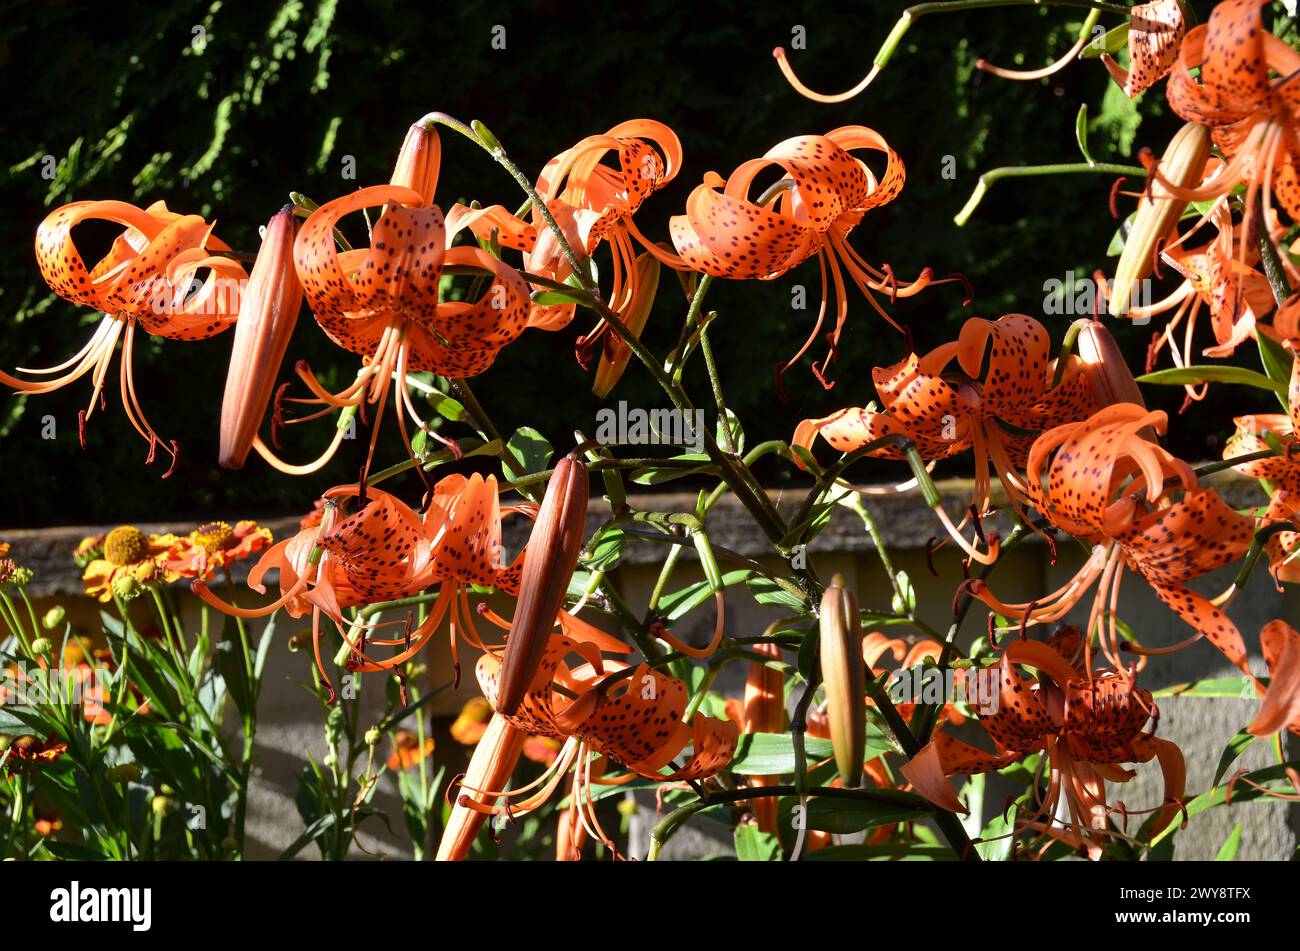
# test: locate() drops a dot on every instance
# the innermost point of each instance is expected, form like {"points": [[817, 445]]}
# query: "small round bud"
{"points": [[372, 736], [124, 773], [53, 618], [42, 645]]}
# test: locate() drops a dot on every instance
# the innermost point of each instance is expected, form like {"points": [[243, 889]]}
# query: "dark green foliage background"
{"points": [[283, 91]]}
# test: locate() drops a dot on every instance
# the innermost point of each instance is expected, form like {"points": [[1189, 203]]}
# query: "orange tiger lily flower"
{"points": [[1141, 508], [1280, 643], [762, 710], [1281, 473], [876, 645], [1253, 117], [593, 202], [605, 708], [725, 233], [1088, 723], [383, 552], [382, 302], [143, 281], [994, 406]]}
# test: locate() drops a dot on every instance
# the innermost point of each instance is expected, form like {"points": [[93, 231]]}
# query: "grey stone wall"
{"points": [[290, 723]]}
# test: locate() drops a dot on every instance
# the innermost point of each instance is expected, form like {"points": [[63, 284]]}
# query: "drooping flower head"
{"points": [[632, 716], [593, 190], [1087, 723], [1106, 483], [1002, 393], [727, 232], [147, 279], [1245, 94]]}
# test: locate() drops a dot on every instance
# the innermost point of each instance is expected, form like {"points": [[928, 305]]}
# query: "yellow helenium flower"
{"points": [[130, 558]]}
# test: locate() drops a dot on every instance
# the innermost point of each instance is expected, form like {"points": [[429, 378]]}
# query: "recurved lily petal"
{"points": [[1280, 644], [615, 354], [553, 549], [1155, 31], [268, 313]]}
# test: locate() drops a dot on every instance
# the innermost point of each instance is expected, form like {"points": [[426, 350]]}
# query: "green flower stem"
{"points": [[1269, 258], [915, 12], [724, 423], [992, 176]]}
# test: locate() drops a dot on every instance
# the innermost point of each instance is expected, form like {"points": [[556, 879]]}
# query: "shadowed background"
{"points": [[223, 109]]}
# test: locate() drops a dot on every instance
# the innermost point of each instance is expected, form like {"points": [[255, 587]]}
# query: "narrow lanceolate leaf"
{"points": [[268, 312], [1182, 165], [844, 676], [1182, 376], [551, 558]]}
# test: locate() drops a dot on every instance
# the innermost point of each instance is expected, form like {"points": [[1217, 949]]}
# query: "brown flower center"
{"points": [[213, 536], [125, 545]]}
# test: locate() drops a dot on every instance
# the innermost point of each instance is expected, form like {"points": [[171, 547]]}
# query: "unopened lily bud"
{"points": [[1108, 375], [419, 161], [1182, 165], [844, 675], [494, 759], [268, 312], [549, 562]]}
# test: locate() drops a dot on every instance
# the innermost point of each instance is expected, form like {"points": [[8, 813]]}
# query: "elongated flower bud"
{"points": [[1108, 375], [268, 312], [844, 675], [419, 161], [549, 562], [490, 767], [1182, 165]]}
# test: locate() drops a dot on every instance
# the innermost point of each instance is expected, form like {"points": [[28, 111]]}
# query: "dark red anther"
{"points": [[1155, 258], [993, 631], [1024, 620], [968, 289], [979, 527], [929, 555], [893, 281], [451, 790], [1114, 193], [81, 427], [175, 450]]}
